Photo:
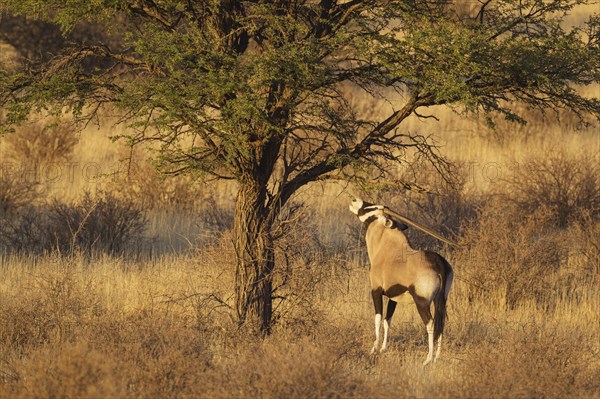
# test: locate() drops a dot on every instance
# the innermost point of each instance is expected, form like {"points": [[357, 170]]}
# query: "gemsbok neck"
{"points": [[367, 223]]}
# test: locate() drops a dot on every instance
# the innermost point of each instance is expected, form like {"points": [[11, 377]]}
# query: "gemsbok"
{"points": [[397, 268]]}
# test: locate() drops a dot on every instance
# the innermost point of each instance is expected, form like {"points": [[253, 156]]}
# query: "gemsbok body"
{"points": [[396, 268]]}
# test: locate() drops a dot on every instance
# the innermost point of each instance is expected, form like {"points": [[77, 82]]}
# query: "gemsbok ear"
{"points": [[389, 223]]}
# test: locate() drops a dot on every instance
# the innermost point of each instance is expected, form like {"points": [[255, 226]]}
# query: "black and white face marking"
{"points": [[356, 206], [365, 210]]}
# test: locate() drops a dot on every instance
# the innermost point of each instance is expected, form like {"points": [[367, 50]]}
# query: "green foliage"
{"points": [[241, 80], [65, 14]]}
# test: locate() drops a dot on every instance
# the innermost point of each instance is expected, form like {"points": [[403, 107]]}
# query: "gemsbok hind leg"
{"points": [[439, 347], [423, 306]]}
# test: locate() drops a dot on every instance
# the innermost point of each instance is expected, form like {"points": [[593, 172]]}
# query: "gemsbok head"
{"points": [[396, 268]]}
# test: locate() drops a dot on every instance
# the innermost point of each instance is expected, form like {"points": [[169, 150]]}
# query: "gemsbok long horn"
{"points": [[419, 226]]}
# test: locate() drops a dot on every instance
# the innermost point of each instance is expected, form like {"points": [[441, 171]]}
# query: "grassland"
{"points": [[110, 328]]}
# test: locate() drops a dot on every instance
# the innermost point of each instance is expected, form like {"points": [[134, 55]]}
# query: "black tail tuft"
{"points": [[439, 318]]}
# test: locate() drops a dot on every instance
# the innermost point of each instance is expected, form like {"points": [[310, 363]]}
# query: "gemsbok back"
{"points": [[396, 268]]}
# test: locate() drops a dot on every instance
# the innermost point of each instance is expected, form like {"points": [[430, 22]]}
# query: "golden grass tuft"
{"points": [[71, 328]]}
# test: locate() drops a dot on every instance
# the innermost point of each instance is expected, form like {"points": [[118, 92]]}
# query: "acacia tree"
{"points": [[261, 91]]}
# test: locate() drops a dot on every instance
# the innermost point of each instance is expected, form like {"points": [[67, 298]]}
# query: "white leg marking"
{"points": [[386, 328], [377, 325], [430, 336], [439, 348]]}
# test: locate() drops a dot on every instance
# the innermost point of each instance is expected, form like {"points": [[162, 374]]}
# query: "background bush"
{"points": [[38, 145], [93, 224], [15, 191], [567, 186]]}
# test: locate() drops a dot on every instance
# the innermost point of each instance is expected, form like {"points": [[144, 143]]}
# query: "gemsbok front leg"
{"points": [[377, 294], [389, 312]]}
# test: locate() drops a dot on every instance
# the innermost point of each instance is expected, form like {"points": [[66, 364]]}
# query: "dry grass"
{"points": [[70, 328]]}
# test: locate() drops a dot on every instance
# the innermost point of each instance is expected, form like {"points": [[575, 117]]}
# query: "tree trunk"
{"points": [[255, 259]]}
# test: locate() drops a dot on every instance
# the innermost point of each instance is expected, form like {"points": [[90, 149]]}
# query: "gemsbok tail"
{"points": [[439, 318]]}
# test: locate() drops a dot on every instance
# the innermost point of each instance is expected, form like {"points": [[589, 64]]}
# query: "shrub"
{"points": [[512, 251], [102, 224], [28, 231], [568, 186], [41, 145], [15, 191]]}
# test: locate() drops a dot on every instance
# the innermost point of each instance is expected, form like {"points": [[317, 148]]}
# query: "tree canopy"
{"points": [[261, 91]]}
